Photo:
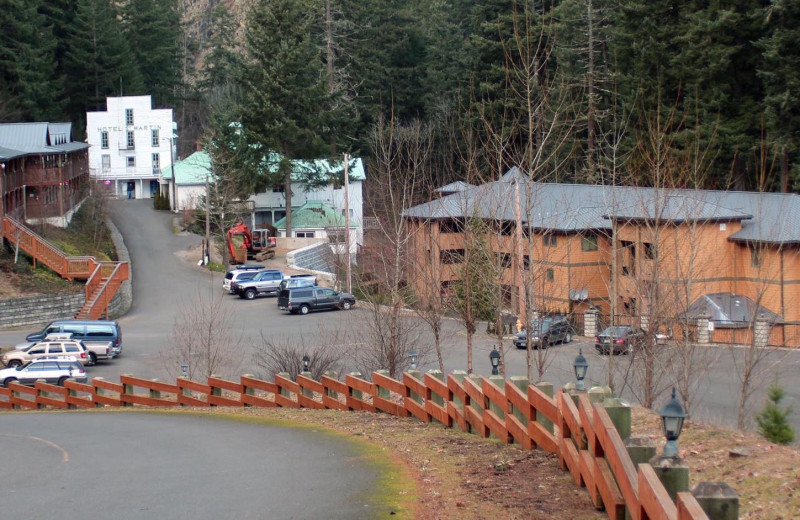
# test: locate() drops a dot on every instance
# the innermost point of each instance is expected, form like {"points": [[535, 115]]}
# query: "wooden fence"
{"points": [[583, 437]]}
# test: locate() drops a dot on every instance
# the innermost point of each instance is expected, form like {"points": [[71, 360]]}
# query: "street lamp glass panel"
{"points": [[672, 417]]}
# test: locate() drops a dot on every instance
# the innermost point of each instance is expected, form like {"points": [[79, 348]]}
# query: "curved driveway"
{"points": [[146, 465]]}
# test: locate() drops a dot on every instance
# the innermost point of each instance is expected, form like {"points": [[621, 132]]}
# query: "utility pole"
{"points": [[347, 222], [207, 252], [172, 165]]}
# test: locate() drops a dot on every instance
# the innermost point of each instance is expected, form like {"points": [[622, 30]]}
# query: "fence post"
{"points": [[383, 392], [547, 389], [333, 394], [248, 390], [215, 390], [703, 334], [416, 374], [285, 375], [127, 389], [155, 394], [72, 393], [358, 394], [99, 391], [435, 372], [620, 414], [522, 383], [718, 500], [307, 392], [673, 474]]}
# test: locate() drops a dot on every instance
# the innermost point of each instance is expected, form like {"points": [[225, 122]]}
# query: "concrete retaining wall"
{"points": [[35, 310]]}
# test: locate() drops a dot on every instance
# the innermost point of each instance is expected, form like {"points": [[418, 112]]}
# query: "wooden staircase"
{"points": [[103, 279]]}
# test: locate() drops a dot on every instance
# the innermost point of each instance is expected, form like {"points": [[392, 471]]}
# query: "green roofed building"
{"points": [[315, 219], [190, 179]]}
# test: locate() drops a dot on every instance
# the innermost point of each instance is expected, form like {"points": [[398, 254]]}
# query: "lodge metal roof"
{"points": [[41, 138], [765, 217]]}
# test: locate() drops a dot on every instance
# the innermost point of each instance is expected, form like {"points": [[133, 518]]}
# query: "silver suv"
{"points": [[53, 371], [241, 272], [265, 282]]}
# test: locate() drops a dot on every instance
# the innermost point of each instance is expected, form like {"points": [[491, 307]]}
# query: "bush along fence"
{"points": [[589, 431]]}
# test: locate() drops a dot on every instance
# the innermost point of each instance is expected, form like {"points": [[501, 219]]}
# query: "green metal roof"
{"points": [[313, 215], [192, 170]]}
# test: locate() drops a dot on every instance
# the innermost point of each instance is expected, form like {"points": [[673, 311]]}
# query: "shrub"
{"points": [[772, 421]]}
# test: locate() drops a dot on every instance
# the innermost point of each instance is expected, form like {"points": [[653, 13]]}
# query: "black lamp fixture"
{"points": [[412, 359], [672, 417], [580, 365], [306, 362], [494, 357]]}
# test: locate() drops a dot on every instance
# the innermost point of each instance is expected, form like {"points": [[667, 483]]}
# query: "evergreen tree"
{"points": [[31, 90], [772, 421], [223, 57], [284, 89], [152, 28]]}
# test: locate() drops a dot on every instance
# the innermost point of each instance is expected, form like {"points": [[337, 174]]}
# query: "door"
{"points": [[131, 189]]}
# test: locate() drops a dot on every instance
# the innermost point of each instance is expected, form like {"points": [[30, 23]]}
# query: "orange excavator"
{"points": [[244, 244]]}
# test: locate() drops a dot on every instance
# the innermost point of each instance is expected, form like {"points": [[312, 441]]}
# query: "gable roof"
{"points": [[728, 310], [765, 217], [40, 138], [314, 214]]}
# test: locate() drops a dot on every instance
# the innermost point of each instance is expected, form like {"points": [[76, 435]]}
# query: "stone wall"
{"points": [[36, 310]]}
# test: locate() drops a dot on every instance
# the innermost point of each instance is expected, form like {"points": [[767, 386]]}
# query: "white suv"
{"points": [[239, 273], [53, 371], [67, 348]]}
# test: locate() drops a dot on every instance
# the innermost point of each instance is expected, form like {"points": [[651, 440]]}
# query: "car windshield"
{"points": [[543, 325], [617, 332]]}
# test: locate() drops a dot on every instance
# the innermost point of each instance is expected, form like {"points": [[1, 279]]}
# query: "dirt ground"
{"points": [[461, 476]]}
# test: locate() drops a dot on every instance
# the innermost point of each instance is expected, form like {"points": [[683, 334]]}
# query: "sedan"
{"points": [[620, 339], [54, 371]]}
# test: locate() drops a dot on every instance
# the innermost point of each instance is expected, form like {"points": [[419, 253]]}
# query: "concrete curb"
{"points": [[125, 293]]}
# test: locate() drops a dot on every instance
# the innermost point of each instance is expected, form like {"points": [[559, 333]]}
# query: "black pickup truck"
{"points": [[306, 299]]}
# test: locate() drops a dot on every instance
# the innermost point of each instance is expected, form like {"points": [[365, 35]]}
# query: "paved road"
{"points": [[144, 466], [164, 285]]}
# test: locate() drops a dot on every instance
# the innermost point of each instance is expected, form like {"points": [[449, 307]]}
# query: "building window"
{"points": [[104, 140], [277, 189], [106, 162], [131, 141], [504, 260], [451, 226], [304, 234], [452, 256], [154, 140], [130, 161], [352, 213], [550, 240], [156, 162], [755, 257], [550, 275], [649, 251], [129, 116], [589, 243], [526, 263]]}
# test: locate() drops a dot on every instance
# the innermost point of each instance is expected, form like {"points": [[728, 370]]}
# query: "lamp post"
{"points": [[672, 417], [412, 359], [172, 168], [185, 370], [494, 358], [306, 362], [580, 365]]}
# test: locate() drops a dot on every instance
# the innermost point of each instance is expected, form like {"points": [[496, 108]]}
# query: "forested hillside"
{"points": [[638, 91]]}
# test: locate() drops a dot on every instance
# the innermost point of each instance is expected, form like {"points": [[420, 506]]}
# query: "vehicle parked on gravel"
{"points": [[239, 273], [298, 280], [95, 335], [53, 371], [306, 299], [265, 282], [620, 339], [545, 332], [52, 349]]}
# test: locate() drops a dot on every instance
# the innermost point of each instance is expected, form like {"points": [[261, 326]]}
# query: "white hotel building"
{"points": [[129, 145]]}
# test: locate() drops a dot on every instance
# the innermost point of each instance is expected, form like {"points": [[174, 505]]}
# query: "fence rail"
{"points": [[584, 437]]}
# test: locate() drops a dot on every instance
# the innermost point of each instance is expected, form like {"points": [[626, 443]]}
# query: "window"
{"points": [[130, 161], [351, 213], [156, 162], [450, 226], [506, 228], [503, 259], [550, 240], [277, 189], [104, 140], [755, 257], [304, 234], [452, 256], [129, 116], [649, 251], [154, 140], [550, 275], [589, 243], [526, 263], [131, 141], [106, 162]]}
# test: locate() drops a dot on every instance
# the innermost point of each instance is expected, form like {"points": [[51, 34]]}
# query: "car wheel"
{"points": [[92, 358], [250, 294], [346, 305], [568, 338], [9, 380], [304, 309], [61, 380], [14, 363]]}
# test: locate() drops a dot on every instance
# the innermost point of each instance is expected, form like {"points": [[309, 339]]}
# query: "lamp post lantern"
{"points": [[306, 362], [494, 357], [412, 359], [185, 369], [672, 417], [580, 365]]}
